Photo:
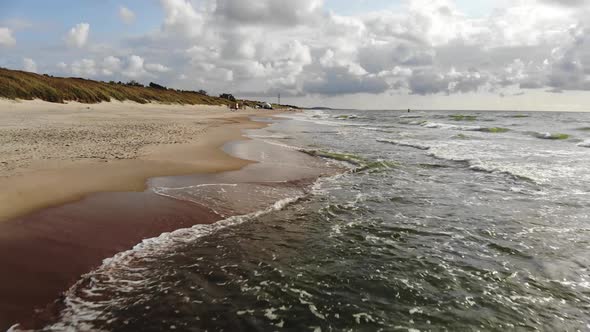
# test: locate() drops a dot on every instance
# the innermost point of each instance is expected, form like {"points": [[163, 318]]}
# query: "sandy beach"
{"points": [[73, 187], [55, 153]]}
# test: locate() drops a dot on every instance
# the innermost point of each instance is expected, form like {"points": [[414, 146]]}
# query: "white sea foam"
{"points": [[483, 161], [329, 120], [585, 144], [363, 317], [382, 130], [435, 125]]}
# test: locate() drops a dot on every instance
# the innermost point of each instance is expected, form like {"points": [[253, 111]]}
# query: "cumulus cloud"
{"points": [[427, 47], [111, 65], [156, 67], [6, 38], [29, 65], [182, 18], [84, 68], [424, 47], [78, 35], [126, 15], [339, 81], [135, 67], [269, 11]]}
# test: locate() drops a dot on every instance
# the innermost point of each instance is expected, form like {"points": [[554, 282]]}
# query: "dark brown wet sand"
{"points": [[45, 253]]}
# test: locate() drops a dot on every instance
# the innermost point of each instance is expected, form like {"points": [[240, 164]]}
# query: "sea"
{"points": [[438, 221]]}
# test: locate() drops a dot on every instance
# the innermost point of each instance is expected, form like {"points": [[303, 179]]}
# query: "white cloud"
{"points": [[181, 17], [135, 67], [84, 67], [424, 47], [269, 11], [29, 65], [156, 67], [126, 15], [6, 38], [111, 65], [78, 35]]}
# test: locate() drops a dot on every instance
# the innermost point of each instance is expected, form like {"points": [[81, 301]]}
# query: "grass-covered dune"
{"points": [[16, 84]]}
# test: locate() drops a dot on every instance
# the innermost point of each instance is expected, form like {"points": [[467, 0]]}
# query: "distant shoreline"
{"points": [[438, 110], [22, 85]]}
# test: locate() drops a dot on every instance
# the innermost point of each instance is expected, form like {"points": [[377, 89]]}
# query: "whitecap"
{"points": [[363, 315], [436, 125]]}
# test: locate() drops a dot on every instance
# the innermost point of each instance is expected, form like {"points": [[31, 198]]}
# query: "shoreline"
{"points": [[55, 153], [59, 243]]}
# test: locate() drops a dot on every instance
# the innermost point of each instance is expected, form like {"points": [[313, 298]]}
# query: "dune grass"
{"points": [[16, 84]]}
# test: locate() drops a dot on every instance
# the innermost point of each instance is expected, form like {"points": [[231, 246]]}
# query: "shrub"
{"points": [[228, 97], [157, 86], [134, 83]]}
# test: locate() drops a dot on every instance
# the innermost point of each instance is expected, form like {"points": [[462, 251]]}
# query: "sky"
{"points": [[365, 54]]}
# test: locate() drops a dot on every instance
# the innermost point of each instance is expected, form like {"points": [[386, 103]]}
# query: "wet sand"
{"points": [[45, 252]]}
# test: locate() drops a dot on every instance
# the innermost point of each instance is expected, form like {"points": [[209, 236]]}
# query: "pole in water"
{"points": [[279, 99]]}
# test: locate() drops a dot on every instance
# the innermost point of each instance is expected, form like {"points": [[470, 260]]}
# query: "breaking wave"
{"points": [[84, 302], [519, 172], [493, 130]]}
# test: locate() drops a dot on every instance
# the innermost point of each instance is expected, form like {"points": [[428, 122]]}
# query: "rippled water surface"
{"points": [[447, 221]]}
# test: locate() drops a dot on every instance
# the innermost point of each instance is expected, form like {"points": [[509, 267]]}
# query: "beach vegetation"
{"points": [[228, 96], [22, 85], [134, 83], [157, 86]]}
